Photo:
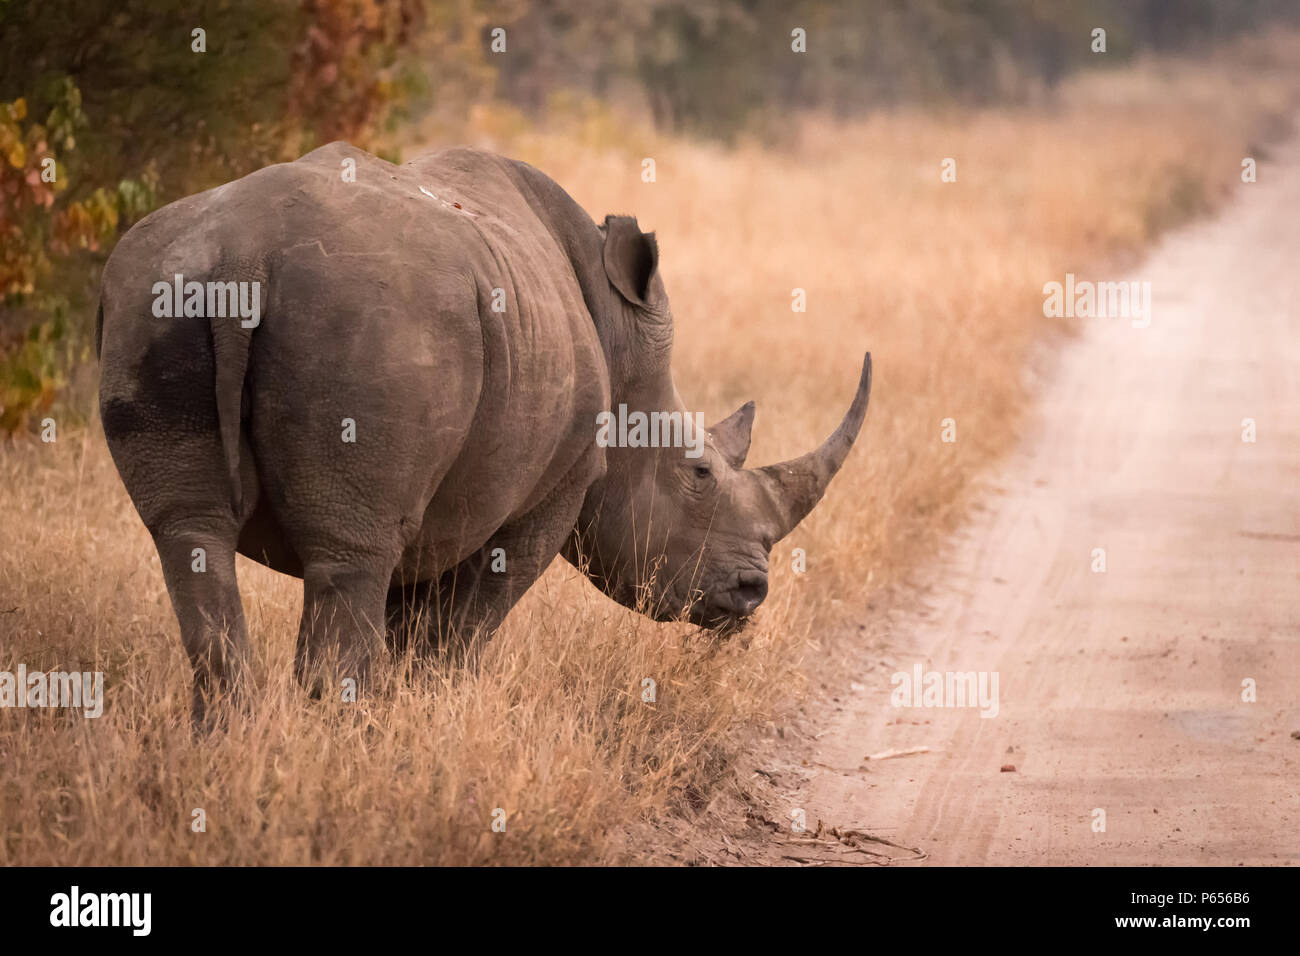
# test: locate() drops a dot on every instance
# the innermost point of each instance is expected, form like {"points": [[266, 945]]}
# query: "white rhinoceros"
{"points": [[391, 381]]}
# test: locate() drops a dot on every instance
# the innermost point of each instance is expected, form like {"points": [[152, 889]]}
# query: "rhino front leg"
{"points": [[452, 613], [460, 611]]}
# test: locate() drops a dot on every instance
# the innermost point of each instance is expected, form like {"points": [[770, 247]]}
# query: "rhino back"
{"points": [[425, 303]]}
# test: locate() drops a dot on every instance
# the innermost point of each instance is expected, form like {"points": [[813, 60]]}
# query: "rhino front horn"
{"points": [[794, 487]]}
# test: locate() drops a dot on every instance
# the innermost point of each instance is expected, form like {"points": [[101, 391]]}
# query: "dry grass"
{"points": [[940, 281]]}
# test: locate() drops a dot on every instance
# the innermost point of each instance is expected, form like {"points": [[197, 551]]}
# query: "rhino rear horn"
{"points": [[794, 487], [731, 435]]}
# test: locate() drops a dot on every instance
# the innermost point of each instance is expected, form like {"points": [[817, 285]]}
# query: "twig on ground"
{"points": [[905, 752]]}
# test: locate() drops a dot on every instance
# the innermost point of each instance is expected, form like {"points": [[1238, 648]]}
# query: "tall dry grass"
{"points": [[940, 281]]}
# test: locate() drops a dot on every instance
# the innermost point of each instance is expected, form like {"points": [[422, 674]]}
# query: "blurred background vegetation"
{"points": [[108, 108]]}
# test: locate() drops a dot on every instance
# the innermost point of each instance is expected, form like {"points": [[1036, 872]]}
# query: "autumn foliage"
{"points": [[123, 109]]}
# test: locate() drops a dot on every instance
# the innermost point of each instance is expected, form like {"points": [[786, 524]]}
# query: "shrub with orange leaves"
{"points": [[39, 224]]}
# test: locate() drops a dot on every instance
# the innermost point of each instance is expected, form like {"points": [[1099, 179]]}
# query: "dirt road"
{"points": [[1119, 691]]}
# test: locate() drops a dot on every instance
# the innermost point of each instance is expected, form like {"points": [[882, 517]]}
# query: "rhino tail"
{"points": [[231, 343]]}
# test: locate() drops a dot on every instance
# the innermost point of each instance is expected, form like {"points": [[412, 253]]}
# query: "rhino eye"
{"points": [[702, 471]]}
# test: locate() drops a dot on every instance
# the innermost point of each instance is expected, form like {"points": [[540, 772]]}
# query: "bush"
{"points": [[109, 109]]}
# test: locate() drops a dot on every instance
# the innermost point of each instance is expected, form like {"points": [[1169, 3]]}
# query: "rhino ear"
{"points": [[631, 258], [731, 435]]}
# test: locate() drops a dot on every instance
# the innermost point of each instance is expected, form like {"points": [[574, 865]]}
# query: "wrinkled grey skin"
{"points": [[475, 429]]}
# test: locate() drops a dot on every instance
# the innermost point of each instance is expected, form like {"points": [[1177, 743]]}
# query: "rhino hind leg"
{"points": [[342, 627], [163, 433], [198, 563]]}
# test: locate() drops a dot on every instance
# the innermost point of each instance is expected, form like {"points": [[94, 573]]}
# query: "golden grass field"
{"points": [[940, 281]]}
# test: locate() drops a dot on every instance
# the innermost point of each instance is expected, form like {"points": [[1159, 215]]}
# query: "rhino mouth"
{"points": [[730, 605], [723, 622], [716, 620], [725, 626]]}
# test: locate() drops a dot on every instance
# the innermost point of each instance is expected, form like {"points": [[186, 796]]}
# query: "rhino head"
{"points": [[685, 531]]}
